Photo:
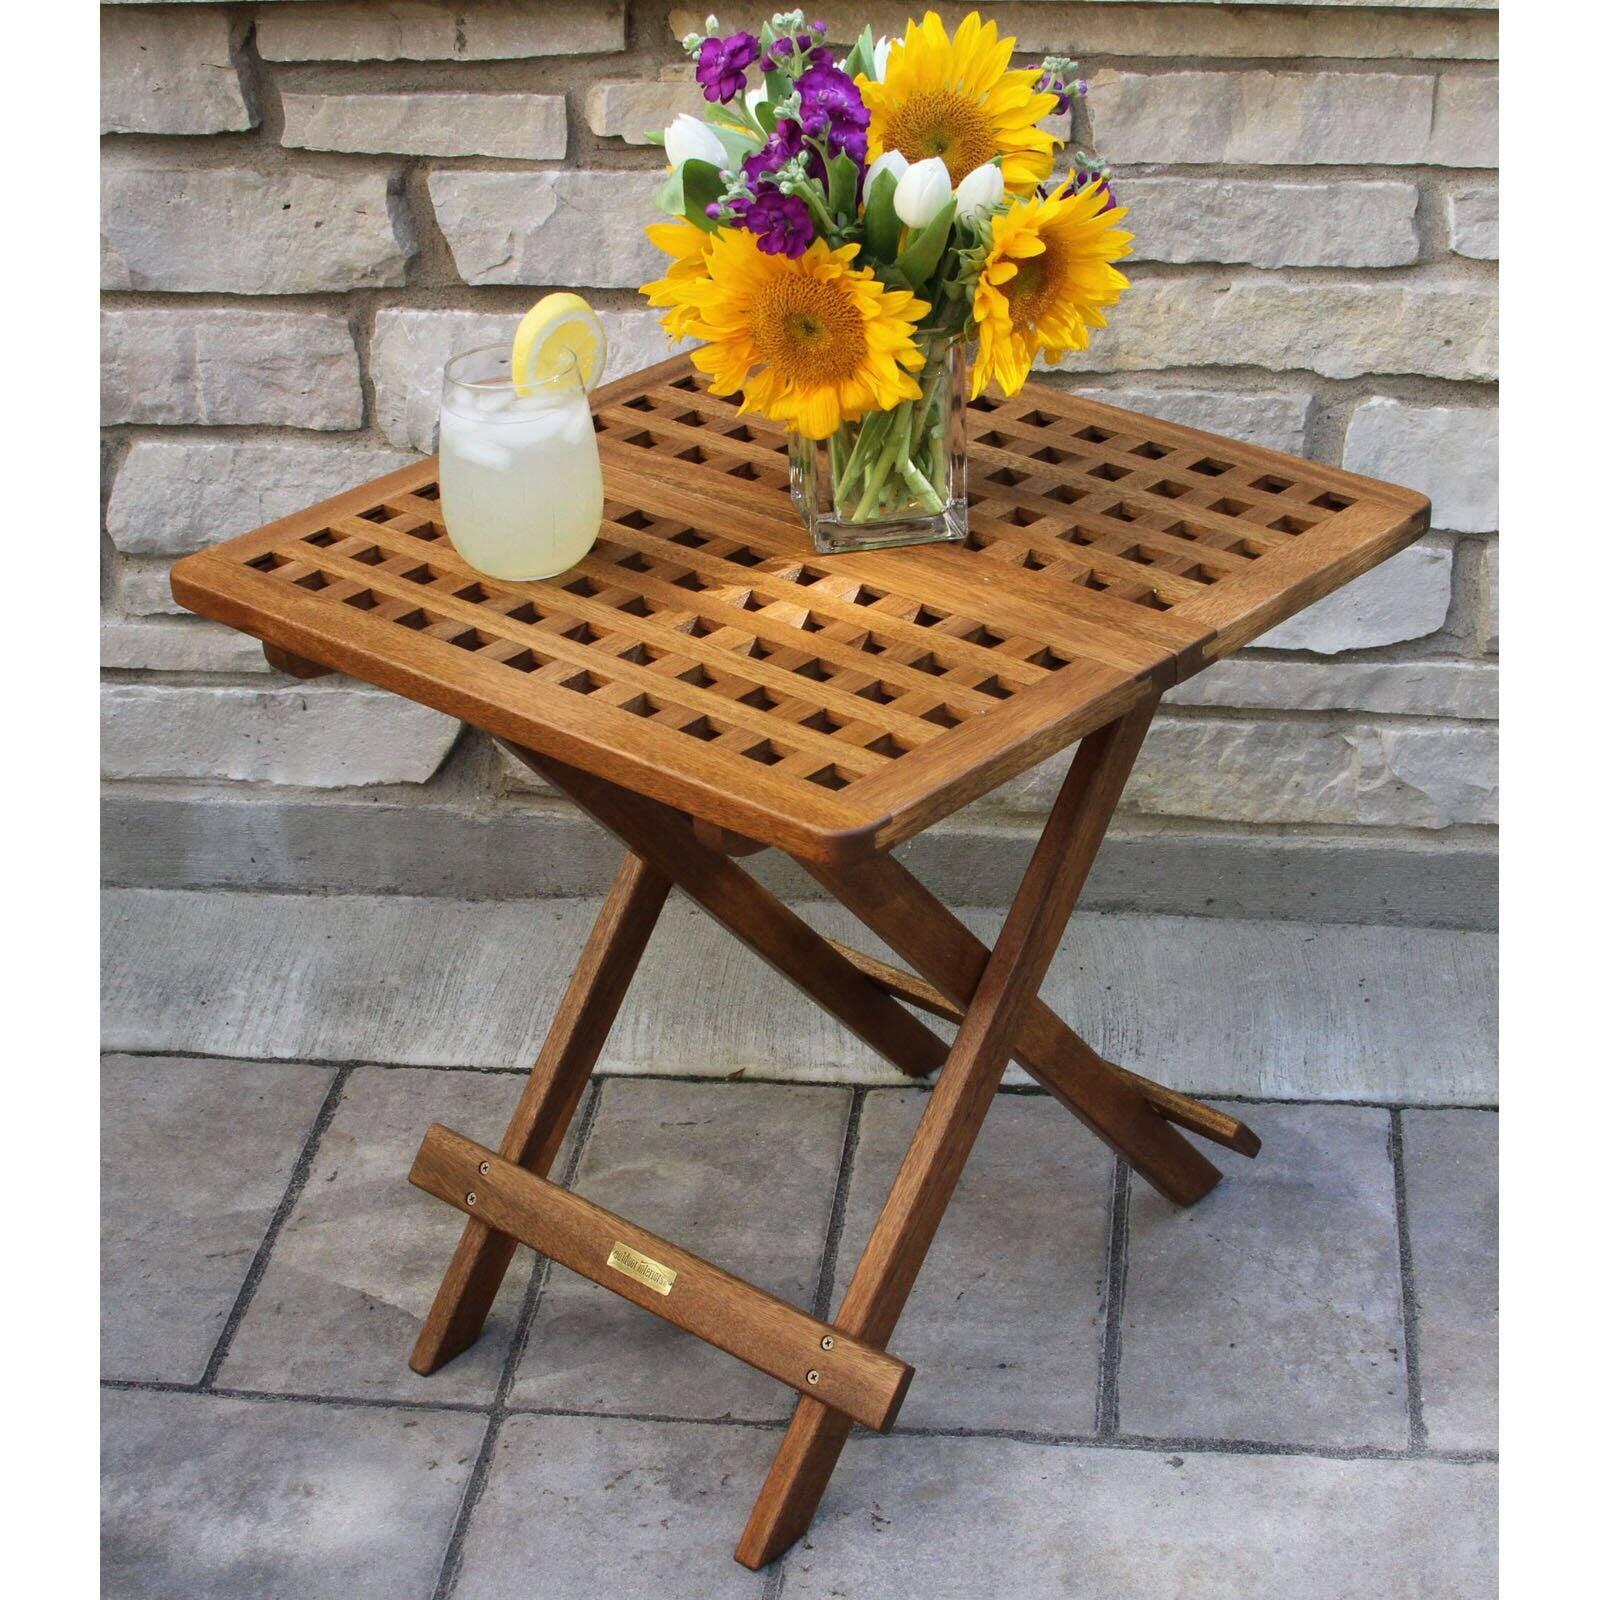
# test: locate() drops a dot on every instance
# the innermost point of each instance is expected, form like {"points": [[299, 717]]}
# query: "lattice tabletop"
{"points": [[703, 656]]}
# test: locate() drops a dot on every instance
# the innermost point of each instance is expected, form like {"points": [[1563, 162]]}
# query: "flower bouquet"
{"points": [[854, 229]]}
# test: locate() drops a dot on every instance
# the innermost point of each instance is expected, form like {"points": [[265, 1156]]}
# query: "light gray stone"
{"points": [[1275, 421], [442, 841], [630, 108], [410, 348], [194, 1159], [173, 72], [356, 1264], [948, 1519], [658, 1506], [519, 127], [220, 972], [1262, 118], [1434, 327], [320, 735], [1466, 118], [238, 231], [144, 589], [439, 30], [1005, 1322], [213, 1498], [1464, 689], [548, 227], [1407, 597], [1450, 453], [1453, 1217], [1427, 775], [174, 496], [1270, 224], [1178, 28], [178, 645], [670, 1156], [1491, 598], [1475, 223], [1271, 1310], [297, 369]]}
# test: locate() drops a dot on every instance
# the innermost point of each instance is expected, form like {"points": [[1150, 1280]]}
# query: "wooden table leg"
{"points": [[956, 1108], [549, 1099], [890, 901]]}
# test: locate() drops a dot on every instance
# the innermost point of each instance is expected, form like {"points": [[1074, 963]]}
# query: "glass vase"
{"points": [[894, 477]]}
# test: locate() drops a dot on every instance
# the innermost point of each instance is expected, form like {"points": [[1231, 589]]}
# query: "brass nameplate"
{"points": [[641, 1268]]}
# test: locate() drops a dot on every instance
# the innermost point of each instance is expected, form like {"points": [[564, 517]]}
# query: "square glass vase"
{"points": [[894, 477]]}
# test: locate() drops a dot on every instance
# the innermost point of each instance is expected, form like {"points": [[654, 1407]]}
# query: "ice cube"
{"points": [[476, 446]]}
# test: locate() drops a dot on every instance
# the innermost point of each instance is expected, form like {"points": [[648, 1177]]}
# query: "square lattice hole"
{"points": [[471, 639], [1150, 451], [322, 538], [1271, 484], [1329, 501], [1050, 660], [822, 722], [875, 692], [941, 717], [362, 600], [758, 699], [1092, 434], [889, 746], [1052, 456], [1288, 524], [1008, 476], [828, 778], [1207, 468], [765, 752], [1022, 517], [1065, 494]]}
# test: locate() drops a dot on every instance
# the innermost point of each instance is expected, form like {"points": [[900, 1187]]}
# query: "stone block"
{"points": [[669, 1156], [1453, 1217], [1449, 453], [1475, 223], [178, 645], [194, 1160], [213, 1498], [1262, 118], [577, 227], [1271, 224], [1462, 689], [439, 30], [1435, 327], [237, 231], [318, 735], [1427, 775], [629, 108], [172, 71], [1466, 120], [1005, 1323], [295, 369], [1274, 420], [1407, 597], [1271, 1309], [517, 127], [358, 1260], [171, 497], [410, 348]]}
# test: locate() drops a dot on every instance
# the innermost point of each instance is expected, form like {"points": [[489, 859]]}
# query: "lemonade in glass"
{"points": [[519, 467]]}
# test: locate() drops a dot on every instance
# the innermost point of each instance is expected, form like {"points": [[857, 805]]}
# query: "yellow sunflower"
{"points": [[959, 98], [812, 342], [686, 244], [1047, 275]]}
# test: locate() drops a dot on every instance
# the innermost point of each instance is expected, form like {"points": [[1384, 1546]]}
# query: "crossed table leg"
{"points": [[840, 1370]]}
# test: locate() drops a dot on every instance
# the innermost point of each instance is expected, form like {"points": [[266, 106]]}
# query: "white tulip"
{"points": [[755, 97], [981, 190], [890, 161], [923, 193], [880, 56], [688, 138]]}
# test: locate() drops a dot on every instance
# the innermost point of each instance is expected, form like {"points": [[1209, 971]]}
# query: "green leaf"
{"points": [[766, 115], [735, 141], [921, 254], [655, 138], [842, 185], [669, 196], [860, 57], [883, 226], [779, 87], [702, 183]]}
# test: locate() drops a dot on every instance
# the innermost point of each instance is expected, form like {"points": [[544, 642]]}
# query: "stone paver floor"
{"points": [[1285, 1392]]}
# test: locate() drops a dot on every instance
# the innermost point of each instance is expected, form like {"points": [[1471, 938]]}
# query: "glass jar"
{"points": [[894, 477]]}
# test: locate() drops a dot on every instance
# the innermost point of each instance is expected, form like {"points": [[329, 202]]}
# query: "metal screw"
{"points": [[483, 1167], [472, 1199], [813, 1376], [827, 1341]]}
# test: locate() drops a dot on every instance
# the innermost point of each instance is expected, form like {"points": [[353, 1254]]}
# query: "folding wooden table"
{"points": [[704, 686]]}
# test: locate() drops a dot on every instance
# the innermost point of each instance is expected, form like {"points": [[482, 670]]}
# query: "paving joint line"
{"points": [[1410, 1342], [1108, 1376], [298, 1177], [1224, 1096], [498, 1409], [836, 1212]]}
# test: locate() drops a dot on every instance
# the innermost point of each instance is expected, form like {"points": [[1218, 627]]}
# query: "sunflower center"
{"points": [[808, 330], [1031, 292], [945, 123]]}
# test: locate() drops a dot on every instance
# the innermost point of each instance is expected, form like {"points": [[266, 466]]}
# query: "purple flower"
{"points": [[781, 223], [783, 144], [721, 65], [831, 104]]}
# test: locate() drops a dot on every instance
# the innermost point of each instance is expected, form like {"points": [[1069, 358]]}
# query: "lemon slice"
{"points": [[558, 325]]}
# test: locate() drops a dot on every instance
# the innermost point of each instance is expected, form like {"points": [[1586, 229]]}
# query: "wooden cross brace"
{"points": [[840, 1369]]}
